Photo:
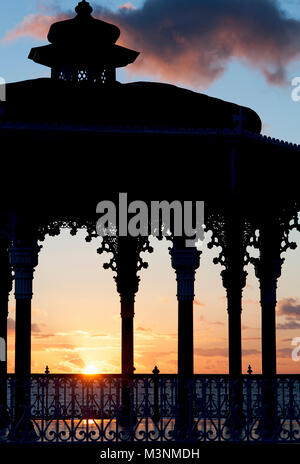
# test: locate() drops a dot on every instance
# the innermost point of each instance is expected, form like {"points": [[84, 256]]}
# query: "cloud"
{"points": [[98, 335], [76, 361], [215, 322], [289, 325], [195, 43], [202, 319], [38, 332], [284, 353], [127, 6], [75, 332], [221, 352], [211, 352], [148, 335], [41, 336], [289, 307], [35, 328], [198, 302], [34, 25], [142, 329], [165, 360], [250, 352], [10, 325], [60, 347], [70, 363], [266, 127]]}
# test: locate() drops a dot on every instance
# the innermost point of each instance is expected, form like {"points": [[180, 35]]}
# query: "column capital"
{"points": [[187, 259], [21, 257], [23, 261], [127, 285], [5, 273], [232, 279], [185, 262], [268, 269]]}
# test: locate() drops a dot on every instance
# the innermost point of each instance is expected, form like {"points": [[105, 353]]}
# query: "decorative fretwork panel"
{"points": [[81, 75]]}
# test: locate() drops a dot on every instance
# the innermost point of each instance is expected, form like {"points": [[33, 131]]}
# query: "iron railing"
{"points": [[149, 408]]}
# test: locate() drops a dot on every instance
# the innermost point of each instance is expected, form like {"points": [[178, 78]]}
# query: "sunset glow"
{"points": [[90, 369]]}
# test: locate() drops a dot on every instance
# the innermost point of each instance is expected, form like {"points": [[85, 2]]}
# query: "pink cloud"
{"points": [[222, 352], [34, 25], [195, 44], [10, 325], [198, 302], [127, 6], [289, 307]]}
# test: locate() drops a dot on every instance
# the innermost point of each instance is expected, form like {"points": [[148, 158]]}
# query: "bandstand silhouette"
{"points": [[79, 137]]}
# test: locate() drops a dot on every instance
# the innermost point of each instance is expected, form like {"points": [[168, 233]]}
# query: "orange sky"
{"points": [[76, 313]]}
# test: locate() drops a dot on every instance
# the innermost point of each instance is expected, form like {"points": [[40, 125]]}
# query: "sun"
{"points": [[90, 369]]}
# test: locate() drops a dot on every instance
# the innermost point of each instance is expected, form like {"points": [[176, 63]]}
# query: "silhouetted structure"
{"points": [[75, 145], [83, 49]]}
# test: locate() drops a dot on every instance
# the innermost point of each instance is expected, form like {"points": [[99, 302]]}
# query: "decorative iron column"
{"points": [[127, 287], [23, 259], [126, 262], [185, 261], [234, 281], [274, 226], [268, 271], [233, 233], [6, 286]]}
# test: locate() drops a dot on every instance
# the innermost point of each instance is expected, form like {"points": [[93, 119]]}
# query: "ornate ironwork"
{"points": [[53, 227], [126, 260], [285, 222], [75, 408], [217, 224]]}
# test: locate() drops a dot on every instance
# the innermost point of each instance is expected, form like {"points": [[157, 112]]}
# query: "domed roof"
{"points": [[83, 40], [134, 104], [83, 29]]}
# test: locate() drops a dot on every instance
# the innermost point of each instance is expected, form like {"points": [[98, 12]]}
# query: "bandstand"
{"points": [[80, 137]]}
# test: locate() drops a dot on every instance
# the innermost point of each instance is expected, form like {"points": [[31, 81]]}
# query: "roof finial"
{"points": [[83, 8]]}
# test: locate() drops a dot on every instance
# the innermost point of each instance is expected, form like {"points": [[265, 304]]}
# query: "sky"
{"points": [[246, 52]]}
